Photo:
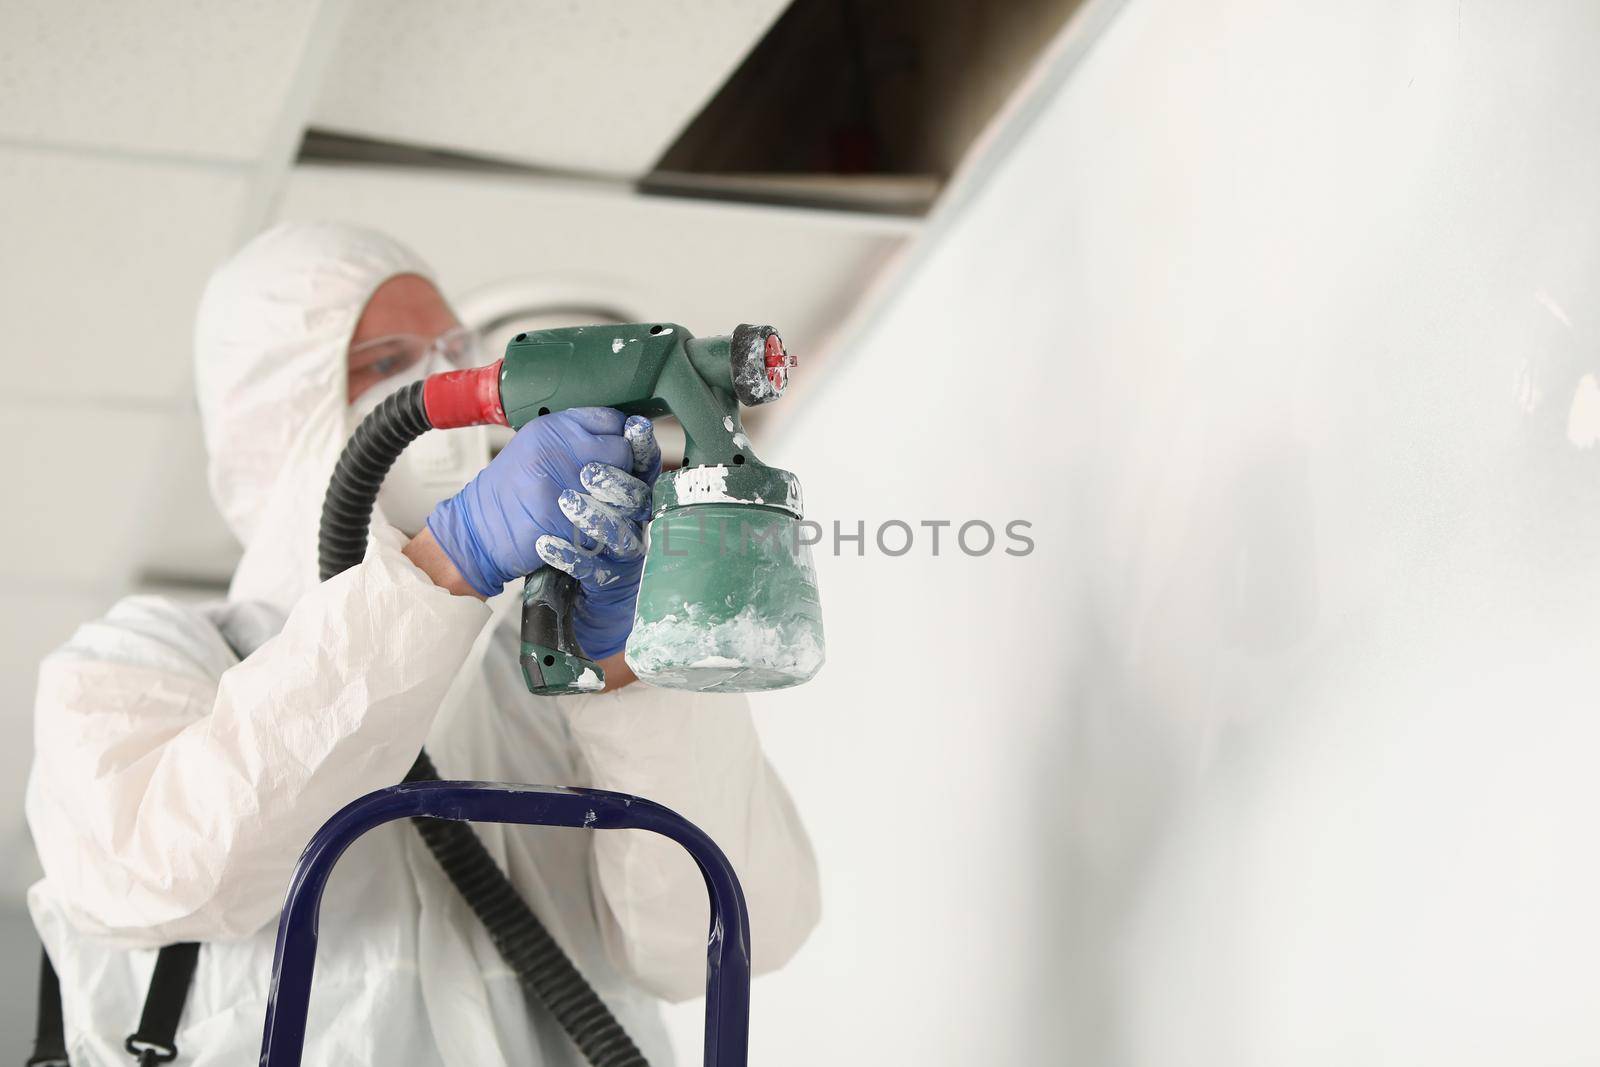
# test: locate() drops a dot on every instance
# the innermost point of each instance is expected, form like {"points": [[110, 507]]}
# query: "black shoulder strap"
{"points": [[163, 1004], [158, 1025], [49, 1036]]}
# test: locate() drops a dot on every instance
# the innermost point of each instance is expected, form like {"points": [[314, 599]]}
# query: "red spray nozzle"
{"points": [[464, 398], [777, 361]]}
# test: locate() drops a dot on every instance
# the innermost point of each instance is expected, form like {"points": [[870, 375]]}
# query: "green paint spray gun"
{"points": [[728, 599]]}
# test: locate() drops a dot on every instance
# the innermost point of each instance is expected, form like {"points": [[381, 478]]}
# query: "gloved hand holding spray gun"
{"points": [[590, 527], [727, 599]]}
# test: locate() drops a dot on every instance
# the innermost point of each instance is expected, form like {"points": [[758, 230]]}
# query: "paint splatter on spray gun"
{"points": [[728, 601]]}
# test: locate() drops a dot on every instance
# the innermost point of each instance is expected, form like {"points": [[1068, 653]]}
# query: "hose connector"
{"points": [[464, 398]]}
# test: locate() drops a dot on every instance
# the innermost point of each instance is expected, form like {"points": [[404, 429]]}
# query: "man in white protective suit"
{"points": [[185, 753]]}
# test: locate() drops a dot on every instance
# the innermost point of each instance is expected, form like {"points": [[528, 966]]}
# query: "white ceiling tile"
{"points": [[181, 533], [601, 87], [80, 486], [168, 76], [102, 265]]}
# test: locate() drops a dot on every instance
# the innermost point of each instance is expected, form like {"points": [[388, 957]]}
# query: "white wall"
{"points": [[1281, 326]]}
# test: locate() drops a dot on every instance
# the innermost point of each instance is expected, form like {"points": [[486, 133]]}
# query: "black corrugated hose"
{"points": [[540, 965]]}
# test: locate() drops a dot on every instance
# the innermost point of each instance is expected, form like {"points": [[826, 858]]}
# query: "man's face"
{"points": [[405, 304]]}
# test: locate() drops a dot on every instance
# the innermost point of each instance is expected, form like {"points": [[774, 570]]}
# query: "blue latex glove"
{"points": [[605, 551], [491, 529]]}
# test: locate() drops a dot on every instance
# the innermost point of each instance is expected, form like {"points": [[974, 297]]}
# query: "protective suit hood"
{"points": [[271, 336]]}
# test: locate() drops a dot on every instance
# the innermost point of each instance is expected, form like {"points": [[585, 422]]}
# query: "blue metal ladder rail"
{"points": [[727, 950]]}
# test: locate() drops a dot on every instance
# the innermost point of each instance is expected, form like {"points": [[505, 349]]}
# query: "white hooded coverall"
{"points": [[174, 786]]}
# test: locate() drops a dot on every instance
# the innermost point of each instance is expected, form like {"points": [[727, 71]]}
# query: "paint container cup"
{"points": [[728, 601]]}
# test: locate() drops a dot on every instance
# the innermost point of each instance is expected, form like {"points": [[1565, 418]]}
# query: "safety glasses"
{"points": [[384, 357]]}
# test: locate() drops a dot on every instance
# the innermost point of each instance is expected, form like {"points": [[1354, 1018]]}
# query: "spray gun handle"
{"points": [[553, 663]]}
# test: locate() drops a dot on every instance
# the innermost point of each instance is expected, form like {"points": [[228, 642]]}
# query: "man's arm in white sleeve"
{"points": [[170, 804], [698, 755]]}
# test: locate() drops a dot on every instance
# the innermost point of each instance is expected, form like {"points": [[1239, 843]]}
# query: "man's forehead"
{"points": [[406, 303]]}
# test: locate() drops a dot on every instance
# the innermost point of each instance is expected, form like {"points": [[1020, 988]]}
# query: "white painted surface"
{"points": [[104, 261], [168, 77], [599, 87], [1279, 749], [92, 471]]}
